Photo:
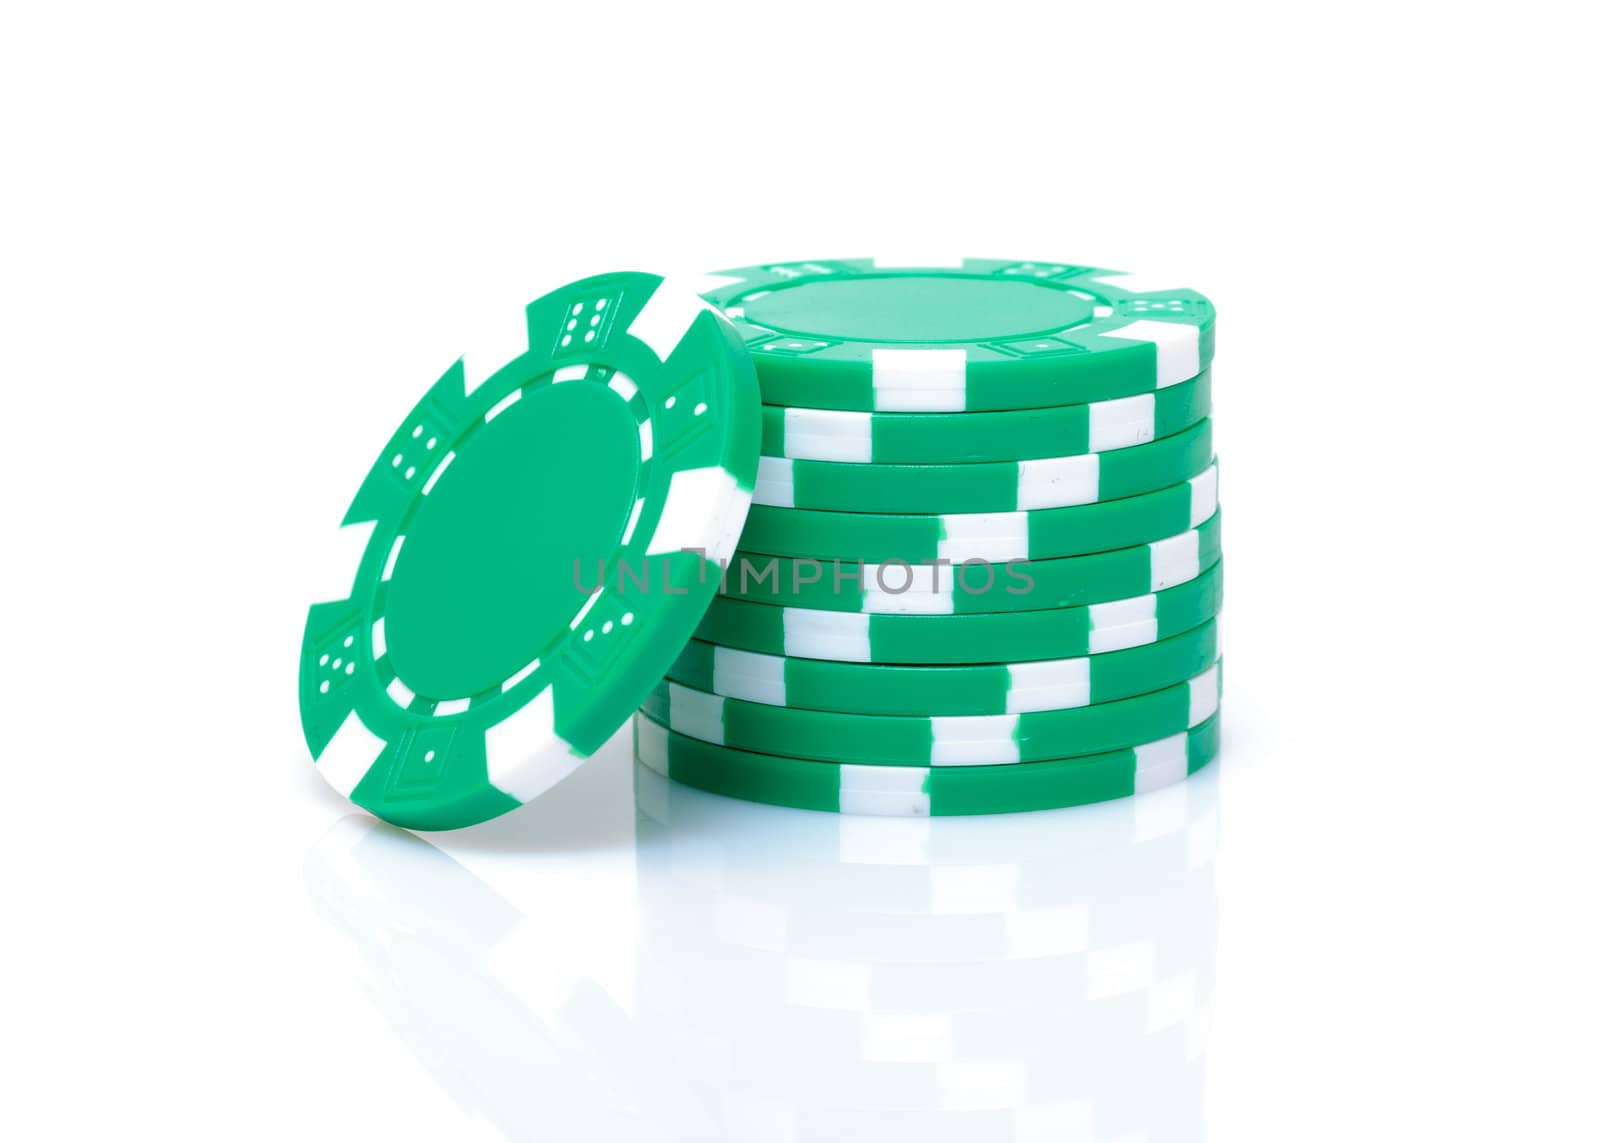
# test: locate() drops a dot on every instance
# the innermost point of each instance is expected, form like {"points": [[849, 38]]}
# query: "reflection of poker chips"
{"points": [[456, 670], [767, 935], [819, 955], [919, 981], [923, 791], [1055, 986], [1018, 434], [441, 952], [995, 688], [1004, 486], [931, 1061], [979, 740], [545, 1028], [987, 334], [975, 588], [968, 865], [761, 880], [881, 1058]]}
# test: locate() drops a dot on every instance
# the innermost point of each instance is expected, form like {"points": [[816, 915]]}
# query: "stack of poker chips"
{"points": [[982, 572]]}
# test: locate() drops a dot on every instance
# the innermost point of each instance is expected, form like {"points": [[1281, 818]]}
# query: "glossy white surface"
{"points": [[237, 244], [806, 976]]}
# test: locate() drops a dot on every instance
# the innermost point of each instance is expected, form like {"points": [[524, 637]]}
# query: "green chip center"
{"points": [[484, 581], [920, 308]]}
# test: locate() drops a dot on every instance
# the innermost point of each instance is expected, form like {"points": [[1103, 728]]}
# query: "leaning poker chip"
{"points": [[1002, 486], [992, 688], [967, 438], [1044, 533], [910, 791], [958, 740], [974, 588], [454, 669], [854, 334], [990, 637]]}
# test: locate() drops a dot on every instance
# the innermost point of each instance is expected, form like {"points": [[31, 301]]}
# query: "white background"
{"points": [[239, 240]]}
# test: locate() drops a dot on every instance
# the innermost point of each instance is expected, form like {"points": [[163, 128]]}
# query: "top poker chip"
{"points": [[854, 334], [455, 668]]}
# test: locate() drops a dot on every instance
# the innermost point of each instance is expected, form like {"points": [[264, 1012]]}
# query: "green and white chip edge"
{"points": [[902, 791]]}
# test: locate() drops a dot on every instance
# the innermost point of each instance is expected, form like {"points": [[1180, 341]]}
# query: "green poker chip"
{"points": [[1006, 486], [966, 438], [957, 740], [985, 637], [452, 668], [1044, 533], [992, 688], [975, 588], [854, 334], [911, 791]]}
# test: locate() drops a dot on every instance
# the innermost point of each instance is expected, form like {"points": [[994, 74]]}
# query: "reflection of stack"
{"points": [[837, 979], [813, 977], [490, 1002], [984, 561]]}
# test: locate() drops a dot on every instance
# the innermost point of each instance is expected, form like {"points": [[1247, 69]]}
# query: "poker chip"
{"points": [[1021, 434], [453, 668], [995, 637], [992, 688], [1007, 486], [1028, 735], [923, 791], [1037, 534], [974, 586], [859, 334]]}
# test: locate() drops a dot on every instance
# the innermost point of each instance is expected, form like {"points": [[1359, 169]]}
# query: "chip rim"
{"points": [[1118, 351], [898, 742], [964, 637], [921, 792], [929, 690]]}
